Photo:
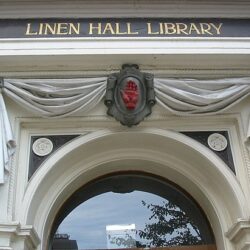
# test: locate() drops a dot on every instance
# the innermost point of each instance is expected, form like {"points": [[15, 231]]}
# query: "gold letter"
{"points": [[129, 30], [62, 29], [98, 27], [205, 30], [217, 28], [161, 28], [75, 28], [48, 29], [28, 30], [117, 30], [108, 28], [150, 30], [193, 28], [170, 28], [40, 29], [181, 30]]}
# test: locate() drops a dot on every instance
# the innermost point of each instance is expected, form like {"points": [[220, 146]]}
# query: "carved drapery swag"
{"points": [[63, 97]]}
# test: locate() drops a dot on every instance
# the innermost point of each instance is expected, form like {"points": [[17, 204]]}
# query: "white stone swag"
{"points": [[63, 97]]}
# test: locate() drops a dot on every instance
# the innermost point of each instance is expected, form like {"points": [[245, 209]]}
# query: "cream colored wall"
{"points": [[27, 208], [105, 146]]}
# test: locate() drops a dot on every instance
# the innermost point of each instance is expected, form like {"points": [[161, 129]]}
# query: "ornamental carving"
{"points": [[130, 95]]}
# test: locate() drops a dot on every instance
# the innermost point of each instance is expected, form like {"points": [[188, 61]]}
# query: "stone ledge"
{"points": [[24, 234], [239, 234]]}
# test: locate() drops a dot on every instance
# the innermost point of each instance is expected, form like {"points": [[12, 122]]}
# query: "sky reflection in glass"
{"points": [[87, 223]]}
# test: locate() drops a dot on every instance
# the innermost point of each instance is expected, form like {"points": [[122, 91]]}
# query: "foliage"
{"points": [[169, 226], [127, 242]]}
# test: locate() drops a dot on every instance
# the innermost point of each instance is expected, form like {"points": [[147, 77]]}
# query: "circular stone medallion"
{"points": [[42, 146], [217, 142]]}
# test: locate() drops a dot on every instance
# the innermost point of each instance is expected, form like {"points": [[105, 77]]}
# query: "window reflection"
{"points": [[128, 215], [137, 219]]}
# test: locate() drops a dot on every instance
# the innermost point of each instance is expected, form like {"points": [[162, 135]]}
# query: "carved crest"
{"points": [[130, 95]]}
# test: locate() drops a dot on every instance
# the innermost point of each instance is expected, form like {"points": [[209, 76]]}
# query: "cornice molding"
{"points": [[25, 232], [239, 233], [237, 228], [127, 8], [41, 55]]}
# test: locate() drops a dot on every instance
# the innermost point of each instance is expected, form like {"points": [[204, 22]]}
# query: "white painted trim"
{"points": [[122, 46], [125, 8], [219, 210], [15, 232], [213, 57], [236, 229], [239, 233]]}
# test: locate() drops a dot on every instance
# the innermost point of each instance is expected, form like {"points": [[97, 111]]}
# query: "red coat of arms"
{"points": [[130, 95]]}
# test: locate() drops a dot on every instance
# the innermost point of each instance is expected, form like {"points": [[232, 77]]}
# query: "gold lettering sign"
{"points": [[56, 29], [115, 28]]}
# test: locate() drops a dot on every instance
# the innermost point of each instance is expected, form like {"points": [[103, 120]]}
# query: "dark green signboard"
{"points": [[124, 27]]}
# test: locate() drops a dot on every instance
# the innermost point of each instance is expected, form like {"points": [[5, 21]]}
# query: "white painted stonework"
{"points": [[28, 207]]}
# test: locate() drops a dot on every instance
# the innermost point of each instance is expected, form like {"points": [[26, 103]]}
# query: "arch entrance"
{"points": [[131, 210], [169, 155]]}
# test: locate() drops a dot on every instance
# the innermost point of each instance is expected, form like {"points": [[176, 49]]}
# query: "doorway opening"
{"points": [[131, 210]]}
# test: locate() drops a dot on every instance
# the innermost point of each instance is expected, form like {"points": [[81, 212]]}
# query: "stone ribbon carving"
{"points": [[63, 97], [56, 97], [7, 142], [200, 97]]}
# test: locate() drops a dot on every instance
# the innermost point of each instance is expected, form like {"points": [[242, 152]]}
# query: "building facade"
{"points": [[57, 136]]}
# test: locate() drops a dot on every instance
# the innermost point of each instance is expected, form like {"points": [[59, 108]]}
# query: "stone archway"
{"points": [[163, 153]]}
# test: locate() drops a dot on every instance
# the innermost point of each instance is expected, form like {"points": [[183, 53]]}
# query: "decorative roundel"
{"points": [[42, 146], [217, 142]]}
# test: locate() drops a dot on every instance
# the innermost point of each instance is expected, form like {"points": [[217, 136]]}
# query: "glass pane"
{"points": [[134, 219]]}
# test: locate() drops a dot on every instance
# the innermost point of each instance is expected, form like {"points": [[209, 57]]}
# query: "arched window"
{"points": [[131, 210]]}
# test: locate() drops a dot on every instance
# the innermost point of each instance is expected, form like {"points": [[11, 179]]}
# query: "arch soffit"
{"points": [[166, 153]]}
